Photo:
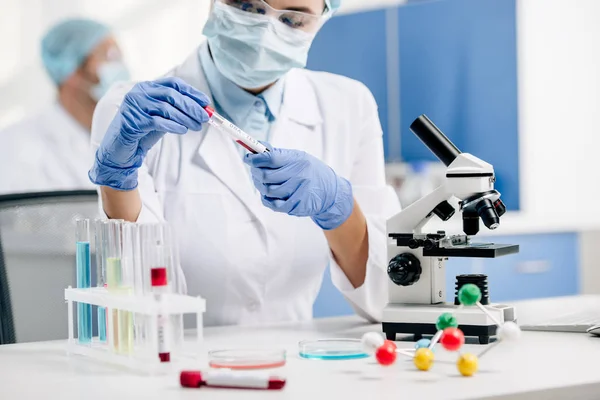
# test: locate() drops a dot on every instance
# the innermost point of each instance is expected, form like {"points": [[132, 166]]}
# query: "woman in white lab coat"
{"points": [[241, 221]]}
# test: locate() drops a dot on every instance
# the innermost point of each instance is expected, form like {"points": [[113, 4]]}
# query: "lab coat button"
{"points": [[260, 106], [252, 306]]}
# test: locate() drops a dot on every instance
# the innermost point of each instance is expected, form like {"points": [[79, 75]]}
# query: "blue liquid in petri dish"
{"points": [[332, 349], [84, 280]]}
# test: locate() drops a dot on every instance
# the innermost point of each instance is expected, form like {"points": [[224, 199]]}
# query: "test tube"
{"points": [[235, 133], [159, 283], [174, 287], [126, 287], [113, 275], [100, 248], [84, 280], [134, 255], [156, 265]]}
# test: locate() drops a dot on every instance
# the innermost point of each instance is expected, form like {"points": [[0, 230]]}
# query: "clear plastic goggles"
{"points": [[294, 19]]}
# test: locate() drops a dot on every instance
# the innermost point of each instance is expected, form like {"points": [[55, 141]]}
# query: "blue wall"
{"points": [[353, 45], [558, 253], [457, 65], [330, 302]]}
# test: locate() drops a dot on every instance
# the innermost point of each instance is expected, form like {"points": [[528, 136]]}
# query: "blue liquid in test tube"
{"points": [[84, 280], [102, 324]]}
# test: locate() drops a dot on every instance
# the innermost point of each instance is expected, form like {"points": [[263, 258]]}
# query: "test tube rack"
{"points": [[143, 357]]}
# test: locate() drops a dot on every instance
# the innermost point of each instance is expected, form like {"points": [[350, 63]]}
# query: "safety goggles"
{"points": [[294, 19]]}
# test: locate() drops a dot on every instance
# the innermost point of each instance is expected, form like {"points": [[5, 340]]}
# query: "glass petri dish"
{"points": [[246, 359], [332, 349]]}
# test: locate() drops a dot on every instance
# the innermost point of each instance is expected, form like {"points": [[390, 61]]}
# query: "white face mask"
{"points": [[109, 73], [254, 50]]}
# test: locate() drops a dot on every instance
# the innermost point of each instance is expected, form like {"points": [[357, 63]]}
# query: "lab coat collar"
{"points": [[217, 150], [300, 102]]}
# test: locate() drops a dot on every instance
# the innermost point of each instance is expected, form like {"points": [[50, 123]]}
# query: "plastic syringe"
{"points": [[241, 137]]}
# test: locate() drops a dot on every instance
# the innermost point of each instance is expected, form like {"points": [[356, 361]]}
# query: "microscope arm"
{"points": [[415, 216]]}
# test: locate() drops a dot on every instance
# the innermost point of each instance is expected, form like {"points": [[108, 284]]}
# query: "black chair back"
{"points": [[37, 261]]}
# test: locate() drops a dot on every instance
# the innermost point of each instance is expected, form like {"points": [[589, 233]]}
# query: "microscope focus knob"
{"points": [[404, 269]]}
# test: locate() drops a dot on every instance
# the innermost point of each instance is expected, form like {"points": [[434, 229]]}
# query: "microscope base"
{"points": [[419, 320]]}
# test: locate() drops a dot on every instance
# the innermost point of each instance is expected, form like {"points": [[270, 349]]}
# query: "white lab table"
{"points": [[539, 366]]}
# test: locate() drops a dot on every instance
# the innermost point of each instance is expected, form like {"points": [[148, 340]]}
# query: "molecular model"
{"points": [[448, 335]]}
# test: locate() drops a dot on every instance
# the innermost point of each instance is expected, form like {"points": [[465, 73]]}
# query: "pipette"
{"points": [[241, 137]]}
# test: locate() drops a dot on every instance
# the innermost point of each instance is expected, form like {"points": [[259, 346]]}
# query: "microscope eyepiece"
{"points": [[486, 210], [435, 139]]}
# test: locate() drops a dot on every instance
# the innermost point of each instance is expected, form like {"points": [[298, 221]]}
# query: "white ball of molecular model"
{"points": [[372, 341], [509, 332]]}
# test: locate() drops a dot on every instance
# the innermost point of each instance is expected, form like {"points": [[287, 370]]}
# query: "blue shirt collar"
{"points": [[234, 102]]}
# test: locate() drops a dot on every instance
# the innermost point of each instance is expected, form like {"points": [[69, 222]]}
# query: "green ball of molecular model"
{"points": [[446, 320], [469, 294]]}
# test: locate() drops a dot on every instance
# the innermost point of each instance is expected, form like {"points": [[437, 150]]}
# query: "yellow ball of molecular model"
{"points": [[448, 335]]}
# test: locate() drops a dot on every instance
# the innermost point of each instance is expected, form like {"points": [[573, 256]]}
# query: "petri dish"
{"points": [[246, 359], [332, 349]]}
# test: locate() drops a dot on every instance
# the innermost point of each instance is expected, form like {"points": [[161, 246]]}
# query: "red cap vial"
{"points": [[158, 276]]}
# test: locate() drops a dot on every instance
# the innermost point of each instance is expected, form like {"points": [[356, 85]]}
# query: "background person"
{"points": [[51, 151]]}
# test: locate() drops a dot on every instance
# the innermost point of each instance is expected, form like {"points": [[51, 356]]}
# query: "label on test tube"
{"points": [[225, 378], [159, 281], [164, 353], [241, 137]]}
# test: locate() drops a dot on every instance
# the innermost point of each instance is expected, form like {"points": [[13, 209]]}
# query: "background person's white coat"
{"points": [[254, 265], [47, 152]]}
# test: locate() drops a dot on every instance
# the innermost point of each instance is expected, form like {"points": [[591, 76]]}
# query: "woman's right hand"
{"points": [[147, 112]]}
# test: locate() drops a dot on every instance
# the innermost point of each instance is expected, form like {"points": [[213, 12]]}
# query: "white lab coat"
{"points": [[47, 152], [254, 265]]}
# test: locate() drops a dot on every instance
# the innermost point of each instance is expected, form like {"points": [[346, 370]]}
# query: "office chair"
{"points": [[37, 261]]}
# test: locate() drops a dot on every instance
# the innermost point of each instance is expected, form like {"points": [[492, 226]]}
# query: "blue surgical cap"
{"points": [[66, 46], [333, 5]]}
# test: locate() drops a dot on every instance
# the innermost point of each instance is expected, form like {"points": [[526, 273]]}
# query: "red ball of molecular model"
{"points": [[452, 339], [448, 335], [386, 353]]}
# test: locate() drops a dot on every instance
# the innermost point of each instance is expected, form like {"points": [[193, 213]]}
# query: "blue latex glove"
{"points": [[296, 183], [148, 111]]}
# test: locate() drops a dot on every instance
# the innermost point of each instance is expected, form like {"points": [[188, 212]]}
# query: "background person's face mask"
{"points": [[108, 73], [254, 50]]}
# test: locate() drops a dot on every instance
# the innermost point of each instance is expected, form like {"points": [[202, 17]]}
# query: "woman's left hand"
{"points": [[296, 183]]}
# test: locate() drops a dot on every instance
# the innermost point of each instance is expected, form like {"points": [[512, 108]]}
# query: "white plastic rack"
{"points": [[142, 355]]}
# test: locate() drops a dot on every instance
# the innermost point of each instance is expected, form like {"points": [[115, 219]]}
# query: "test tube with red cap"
{"points": [[241, 137], [159, 282], [231, 379], [157, 264]]}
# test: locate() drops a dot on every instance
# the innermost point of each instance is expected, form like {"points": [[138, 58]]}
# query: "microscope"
{"points": [[417, 260]]}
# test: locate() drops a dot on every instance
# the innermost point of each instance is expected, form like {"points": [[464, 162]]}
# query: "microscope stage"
{"points": [[475, 250]]}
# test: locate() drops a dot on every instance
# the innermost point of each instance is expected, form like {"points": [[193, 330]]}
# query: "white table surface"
{"points": [[539, 366]]}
